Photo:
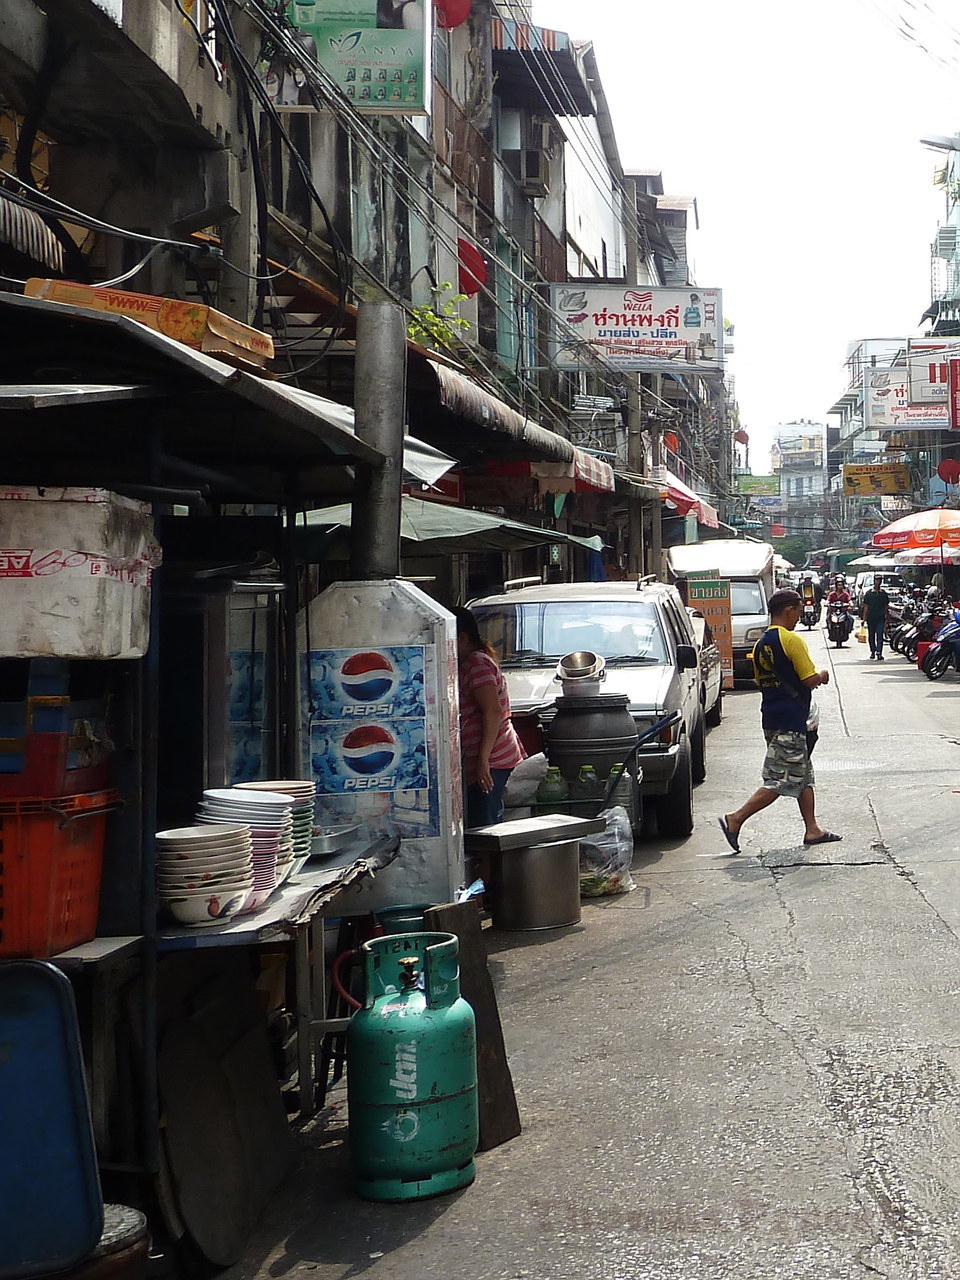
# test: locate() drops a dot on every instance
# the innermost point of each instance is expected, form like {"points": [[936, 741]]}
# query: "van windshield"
{"points": [[746, 597], [531, 634]]}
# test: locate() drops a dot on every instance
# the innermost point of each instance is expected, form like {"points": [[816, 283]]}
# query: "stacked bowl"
{"points": [[302, 793], [205, 874], [268, 815]]}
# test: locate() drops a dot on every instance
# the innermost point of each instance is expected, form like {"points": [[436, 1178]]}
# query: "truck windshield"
{"points": [[746, 597], [533, 634]]}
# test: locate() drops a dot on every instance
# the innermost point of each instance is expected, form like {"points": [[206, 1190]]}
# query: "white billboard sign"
{"points": [[887, 404], [638, 328], [927, 365]]}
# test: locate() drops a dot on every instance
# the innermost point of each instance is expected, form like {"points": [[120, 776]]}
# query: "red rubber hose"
{"points": [[335, 977]]}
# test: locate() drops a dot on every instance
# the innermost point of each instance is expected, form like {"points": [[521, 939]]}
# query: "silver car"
{"points": [[651, 652]]}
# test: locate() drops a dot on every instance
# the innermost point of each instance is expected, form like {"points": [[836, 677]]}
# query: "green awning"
{"points": [[432, 528]]}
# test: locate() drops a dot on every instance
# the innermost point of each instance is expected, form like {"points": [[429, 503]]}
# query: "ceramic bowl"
{"points": [[207, 909], [206, 833]]}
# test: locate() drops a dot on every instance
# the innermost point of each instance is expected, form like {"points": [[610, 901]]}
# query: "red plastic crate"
{"points": [[47, 769], [51, 859]]}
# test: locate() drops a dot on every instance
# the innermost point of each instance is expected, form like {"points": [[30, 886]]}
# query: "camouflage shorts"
{"points": [[787, 769]]}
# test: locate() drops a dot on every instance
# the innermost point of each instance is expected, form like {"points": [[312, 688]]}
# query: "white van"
{"points": [[749, 566]]}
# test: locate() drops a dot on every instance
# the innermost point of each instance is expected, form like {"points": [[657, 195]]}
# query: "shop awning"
{"points": [[539, 63], [503, 436], [433, 528], [264, 435], [679, 495], [24, 230]]}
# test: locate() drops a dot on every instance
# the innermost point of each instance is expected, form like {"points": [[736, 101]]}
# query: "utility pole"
{"points": [[635, 458], [656, 465], [380, 401]]}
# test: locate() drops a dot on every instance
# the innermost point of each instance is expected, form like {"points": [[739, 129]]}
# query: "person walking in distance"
{"points": [[787, 676], [875, 609]]}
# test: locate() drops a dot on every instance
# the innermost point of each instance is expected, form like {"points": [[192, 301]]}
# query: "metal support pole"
{"points": [[656, 463], [380, 409], [635, 465]]}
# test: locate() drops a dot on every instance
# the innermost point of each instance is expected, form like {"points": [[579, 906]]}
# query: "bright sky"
{"points": [[797, 128]]}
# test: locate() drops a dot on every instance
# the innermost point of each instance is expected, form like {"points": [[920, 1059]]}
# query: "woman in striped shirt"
{"points": [[489, 745]]}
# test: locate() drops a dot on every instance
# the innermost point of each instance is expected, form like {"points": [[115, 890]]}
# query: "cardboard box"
{"points": [[191, 323]]}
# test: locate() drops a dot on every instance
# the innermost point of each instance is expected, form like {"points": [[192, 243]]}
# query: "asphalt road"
{"points": [[747, 1068]]}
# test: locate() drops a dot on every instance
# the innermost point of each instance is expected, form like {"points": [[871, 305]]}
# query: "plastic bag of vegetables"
{"points": [[605, 856]]}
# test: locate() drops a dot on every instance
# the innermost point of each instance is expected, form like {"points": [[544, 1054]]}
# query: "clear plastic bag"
{"points": [[605, 856]]}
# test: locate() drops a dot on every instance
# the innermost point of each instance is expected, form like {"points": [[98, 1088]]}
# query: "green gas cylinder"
{"points": [[412, 1071]]}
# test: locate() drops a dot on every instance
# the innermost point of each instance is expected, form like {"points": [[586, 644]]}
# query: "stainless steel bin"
{"points": [[537, 886]]}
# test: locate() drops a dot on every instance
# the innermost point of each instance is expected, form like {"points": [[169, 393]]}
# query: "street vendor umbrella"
{"points": [[920, 530]]}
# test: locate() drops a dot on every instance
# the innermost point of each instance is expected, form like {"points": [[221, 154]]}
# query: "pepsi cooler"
{"points": [[380, 712]]}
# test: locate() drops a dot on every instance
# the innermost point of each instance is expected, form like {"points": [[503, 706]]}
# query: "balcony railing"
{"points": [[462, 147]]}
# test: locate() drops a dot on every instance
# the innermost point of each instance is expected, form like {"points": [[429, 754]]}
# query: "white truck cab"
{"points": [[749, 566]]}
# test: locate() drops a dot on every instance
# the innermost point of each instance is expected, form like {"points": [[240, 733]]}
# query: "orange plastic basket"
{"points": [[51, 859]]}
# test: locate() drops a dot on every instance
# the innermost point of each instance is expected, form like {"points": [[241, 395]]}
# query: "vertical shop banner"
{"points": [[368, 720], [710, 594], [954, 388], [377, 52]]}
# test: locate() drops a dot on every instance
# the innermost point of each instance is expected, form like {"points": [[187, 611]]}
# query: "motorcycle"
{"points": [[925, 628], [810, 614], [944, 653], [839, 624]]}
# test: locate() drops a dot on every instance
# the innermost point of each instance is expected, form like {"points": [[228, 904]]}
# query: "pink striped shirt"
{"points": [[476, 671]]}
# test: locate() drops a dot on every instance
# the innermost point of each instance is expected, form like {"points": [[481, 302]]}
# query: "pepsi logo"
{"points": [[369, 749], [367, 677]]}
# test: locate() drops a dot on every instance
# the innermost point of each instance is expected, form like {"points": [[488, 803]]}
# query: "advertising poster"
{"points": [[766, 486], [887, 404], [639, 328], [927, 369], [954, 383], [711, 596], [377, 52], [867, 480]]}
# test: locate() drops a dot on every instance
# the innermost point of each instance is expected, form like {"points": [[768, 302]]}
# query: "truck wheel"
{"points": [[675, 809], [698, 753], [715, 714]]}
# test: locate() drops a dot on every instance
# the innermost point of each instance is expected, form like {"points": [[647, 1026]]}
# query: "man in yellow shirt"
{"points": [[787, 676]]}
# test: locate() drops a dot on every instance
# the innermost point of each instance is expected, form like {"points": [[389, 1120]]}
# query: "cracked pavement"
{"points": [[748, 1068]]}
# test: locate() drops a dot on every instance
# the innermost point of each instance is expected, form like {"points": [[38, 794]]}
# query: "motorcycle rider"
{"points": [[810, 601], [841, 596]]}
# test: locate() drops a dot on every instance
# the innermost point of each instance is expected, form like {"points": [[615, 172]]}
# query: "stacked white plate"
{"points": [[268, 814], [303, 793], [205, 874]]}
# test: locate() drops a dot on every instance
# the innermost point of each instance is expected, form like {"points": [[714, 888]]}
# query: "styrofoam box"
{"points": [[75, 573]]}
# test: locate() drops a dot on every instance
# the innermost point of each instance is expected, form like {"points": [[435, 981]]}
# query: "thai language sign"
{"points": [[377, 52], [870, 479], [887, 404], [927, 369], [710, 594], [769, 486], [638, 327]]}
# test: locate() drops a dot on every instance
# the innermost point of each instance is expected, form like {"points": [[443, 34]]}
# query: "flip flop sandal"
{"points": [[828, 837], [731, 839]]}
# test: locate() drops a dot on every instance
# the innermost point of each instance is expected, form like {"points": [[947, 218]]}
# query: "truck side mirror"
{"points": [[686, 657]]}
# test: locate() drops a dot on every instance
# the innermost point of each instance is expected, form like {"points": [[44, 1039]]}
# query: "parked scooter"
{"points": [[944, 652], [925, 628], [839, 623]]}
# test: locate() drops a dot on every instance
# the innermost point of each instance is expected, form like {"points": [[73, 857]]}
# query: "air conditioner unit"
{"points": [[945, 245], [535, 178]]}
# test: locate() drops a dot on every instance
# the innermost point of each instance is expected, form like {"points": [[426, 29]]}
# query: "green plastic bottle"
{"points": [[552, 792], [587, 785]]}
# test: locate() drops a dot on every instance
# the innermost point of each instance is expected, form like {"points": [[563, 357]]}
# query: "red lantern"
{"points": [[670, 441], [949, 471], [473, 268], [450, 13], [741, 437]]}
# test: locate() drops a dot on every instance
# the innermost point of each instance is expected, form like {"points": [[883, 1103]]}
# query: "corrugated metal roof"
{"points": [[27, 232]]}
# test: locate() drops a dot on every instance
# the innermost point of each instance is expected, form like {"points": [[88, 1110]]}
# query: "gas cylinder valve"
{"points": [[409, 973]]}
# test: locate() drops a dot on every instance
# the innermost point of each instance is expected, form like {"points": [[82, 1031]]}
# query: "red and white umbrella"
{"points": [[920, 531]]}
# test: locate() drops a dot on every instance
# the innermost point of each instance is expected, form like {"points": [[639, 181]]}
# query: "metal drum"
{"points": [[537, 887], [412, 1071]]}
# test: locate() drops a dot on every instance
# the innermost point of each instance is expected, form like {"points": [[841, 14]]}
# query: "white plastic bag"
{"points": [[521, 789], [605, 857]]}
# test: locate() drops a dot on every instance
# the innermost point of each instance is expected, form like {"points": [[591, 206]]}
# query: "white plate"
{"points": [[230, 795], [177, 834]]}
